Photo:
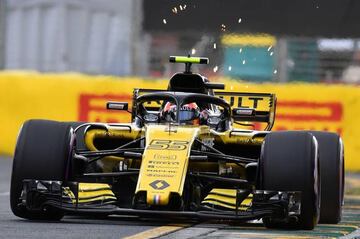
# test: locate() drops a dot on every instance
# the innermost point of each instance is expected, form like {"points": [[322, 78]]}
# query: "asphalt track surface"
{"points": [[132, 227]]}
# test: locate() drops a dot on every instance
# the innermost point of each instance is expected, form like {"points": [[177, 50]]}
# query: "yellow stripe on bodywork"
{"points": [[91, 192], [227, 198], [223, 191], [165, 162], [84, 187]]}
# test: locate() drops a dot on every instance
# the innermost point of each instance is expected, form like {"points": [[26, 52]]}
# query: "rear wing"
{"points": [[250, 108]]}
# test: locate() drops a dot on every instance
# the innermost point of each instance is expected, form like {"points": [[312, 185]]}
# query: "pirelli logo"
{"points": [[92, 108], [305, 115], [309, 111]]}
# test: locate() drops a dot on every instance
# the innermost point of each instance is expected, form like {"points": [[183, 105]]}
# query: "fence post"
{"points": [[2, 32], [282, 60]]}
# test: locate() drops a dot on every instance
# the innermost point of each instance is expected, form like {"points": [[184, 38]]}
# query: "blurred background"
{"points": [[259, 40], [64, 59]]}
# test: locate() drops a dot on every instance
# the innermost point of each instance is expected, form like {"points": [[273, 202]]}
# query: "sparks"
{"points": [[164, 21], [223, 27], [214, 45], [193, 51], [215, 68]]}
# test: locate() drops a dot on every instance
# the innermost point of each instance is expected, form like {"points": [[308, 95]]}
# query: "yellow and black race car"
{"points": [[181, 157]]}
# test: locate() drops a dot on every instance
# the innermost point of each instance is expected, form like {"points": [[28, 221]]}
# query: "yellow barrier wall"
{"points": [[76, 97]]}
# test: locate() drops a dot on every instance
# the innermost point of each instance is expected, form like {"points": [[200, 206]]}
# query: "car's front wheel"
{"points": [[289, 162], [42, 152]]}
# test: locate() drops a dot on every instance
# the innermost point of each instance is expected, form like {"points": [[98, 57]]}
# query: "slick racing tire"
{"points": [[331, 152], [42, 151], [80, 135], [289, 162]]}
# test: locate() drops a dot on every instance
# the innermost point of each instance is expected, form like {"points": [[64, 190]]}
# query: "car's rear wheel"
{"points": [[289, 162], [42, 151], [331, 152]]}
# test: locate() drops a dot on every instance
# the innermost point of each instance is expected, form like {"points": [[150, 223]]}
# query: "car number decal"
{"points": [[168, 144]]}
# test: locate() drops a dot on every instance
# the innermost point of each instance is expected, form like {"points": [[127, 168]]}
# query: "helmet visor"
{"points": [[185, 115]]}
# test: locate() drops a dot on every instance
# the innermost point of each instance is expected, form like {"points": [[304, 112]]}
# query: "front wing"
{"points": [[88, 199]]}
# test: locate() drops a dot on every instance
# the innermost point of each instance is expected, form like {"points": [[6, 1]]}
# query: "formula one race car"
{"points": [[181, 157]]}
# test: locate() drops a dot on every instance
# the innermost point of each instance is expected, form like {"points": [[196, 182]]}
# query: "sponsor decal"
{"points": [[159, 144], [314, 111], [92, 108], [243, 101], [159, 184], [156, 199], [164, 157], [305, 115]]}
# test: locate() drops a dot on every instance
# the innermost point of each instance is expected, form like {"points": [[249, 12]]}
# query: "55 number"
{"points": [[168, 144]]}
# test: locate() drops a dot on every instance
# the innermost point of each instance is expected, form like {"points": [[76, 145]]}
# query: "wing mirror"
{"points": [[117, 106], [243, 113]]}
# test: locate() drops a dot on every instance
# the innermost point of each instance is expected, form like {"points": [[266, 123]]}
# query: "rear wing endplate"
{"points": [[261, 105]]}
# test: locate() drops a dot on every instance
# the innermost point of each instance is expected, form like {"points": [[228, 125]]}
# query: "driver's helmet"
{"points": [[189, 113]]}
